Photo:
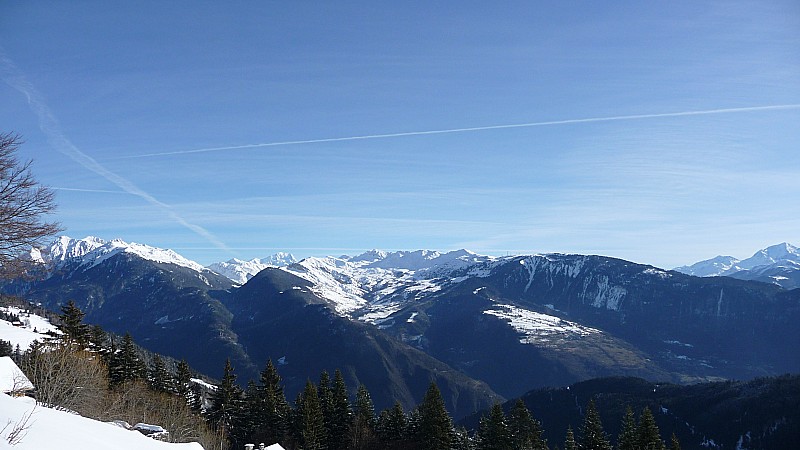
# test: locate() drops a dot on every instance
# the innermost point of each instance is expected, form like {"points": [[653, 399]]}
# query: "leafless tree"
{"points": [[134, 402], [66, 378], [23, 205]]}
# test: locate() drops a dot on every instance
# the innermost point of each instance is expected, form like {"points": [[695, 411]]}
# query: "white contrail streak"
{"points": [[50, 126], [99, 191], [472, 129]]}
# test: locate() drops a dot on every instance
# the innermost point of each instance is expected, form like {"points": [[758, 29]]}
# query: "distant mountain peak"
{"points": [[778, 264], [240, 271], [710, 267], [92, 250], [370, 255]]}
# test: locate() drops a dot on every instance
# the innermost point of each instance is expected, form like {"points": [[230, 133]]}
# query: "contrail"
{"points": [[99, 191], [50, 126], [472, 129]]}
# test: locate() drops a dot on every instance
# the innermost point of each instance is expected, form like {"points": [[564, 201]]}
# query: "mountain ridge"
{"points": [[512, 323], [777, 264]]}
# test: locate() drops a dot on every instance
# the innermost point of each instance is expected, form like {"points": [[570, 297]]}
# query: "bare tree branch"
{"points": [[23, 205]]}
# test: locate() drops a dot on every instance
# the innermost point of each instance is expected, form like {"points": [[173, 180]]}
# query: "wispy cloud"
{"points": [[51, 127], [472, 129]]}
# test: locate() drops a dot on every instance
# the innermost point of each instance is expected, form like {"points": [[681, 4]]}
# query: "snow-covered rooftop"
{"points": [[11, 377]]}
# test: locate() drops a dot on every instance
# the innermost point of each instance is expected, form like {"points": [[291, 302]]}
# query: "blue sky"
{"points": [[696, 150]]}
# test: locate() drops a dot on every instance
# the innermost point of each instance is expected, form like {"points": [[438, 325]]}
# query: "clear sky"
{"points": [[660, 132]]}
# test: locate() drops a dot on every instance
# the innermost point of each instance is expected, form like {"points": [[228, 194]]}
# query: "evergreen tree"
{"points": [[311, 423], [226, 401], [325, 395], [341, 417], [6, 349], [434, 421], [249, 415], [592, 435], [126, 364], [461, 440], [493, 432], [526, 432], [569, 440], [75, 331], [362, 431], [674, 443], [628, 437], [649, 437], [183, 375], [158, 377], [183, 387], [270, 410], [17, 356], [364, 410], [392, 424]]}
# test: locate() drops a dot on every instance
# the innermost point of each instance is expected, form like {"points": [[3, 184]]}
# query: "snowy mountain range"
{"points": [[778, 264], [484, 327], [240, 271], [91, 251]]}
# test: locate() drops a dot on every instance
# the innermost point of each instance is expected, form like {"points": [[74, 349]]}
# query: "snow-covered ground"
{"points": [[51, 429], [538, 328], [34, 328]]}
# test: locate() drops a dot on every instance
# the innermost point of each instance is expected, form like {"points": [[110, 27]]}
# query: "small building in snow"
{"points": [[12, 380]]}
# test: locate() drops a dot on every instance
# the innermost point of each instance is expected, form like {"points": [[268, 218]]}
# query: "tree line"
{"points": [[86, 370], [323, 418]]}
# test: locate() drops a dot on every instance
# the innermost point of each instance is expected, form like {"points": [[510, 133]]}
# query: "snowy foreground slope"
{"points": [[52, 429]]}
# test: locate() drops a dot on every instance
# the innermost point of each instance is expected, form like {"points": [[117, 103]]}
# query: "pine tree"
{"points": [[341, 417], [649, 437], [183, 375], [98, 342], [461, 440], [493, 432], [325, 395], [183, 387], [225, 401], [392, 424], [592, 435], [272, 414], [362, 432], [434, 421], [75, 331], [311, 423], [6, 349], [628, 437], [158, 377], [526, 432], [569, 440], [126, 364], [17, 356], [674, 443]]}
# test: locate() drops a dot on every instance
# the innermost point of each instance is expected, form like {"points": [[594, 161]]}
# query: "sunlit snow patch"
{"points": [[537, 328]]}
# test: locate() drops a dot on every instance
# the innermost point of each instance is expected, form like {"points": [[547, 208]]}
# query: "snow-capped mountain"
{"points": [[240, 271], [376, 283], [416, 260], [778, 264], [90, 251], [713, 267], [513, 322], [779, 254]]}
